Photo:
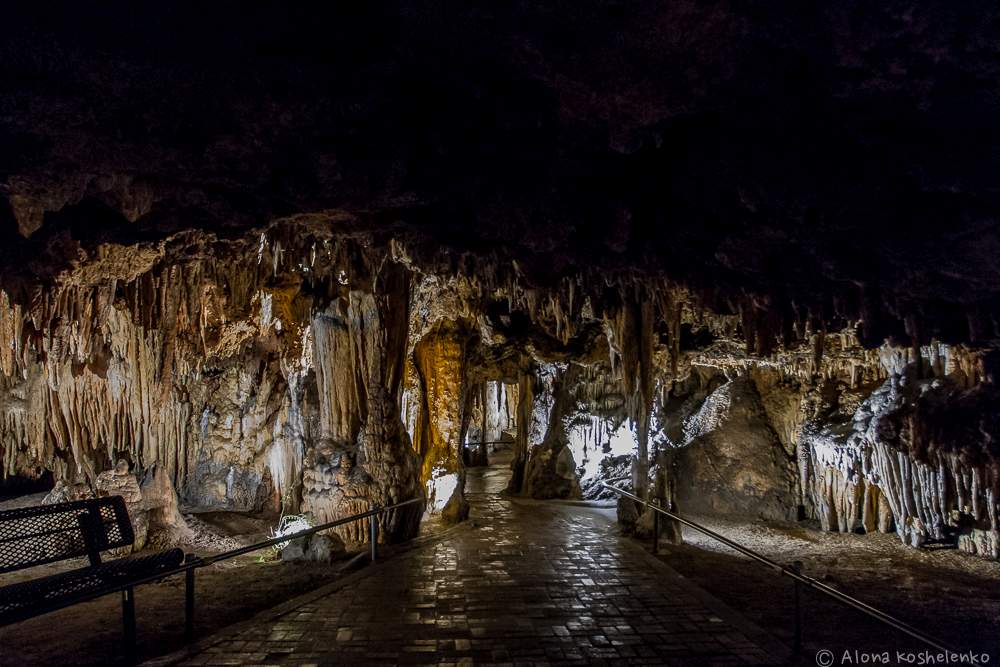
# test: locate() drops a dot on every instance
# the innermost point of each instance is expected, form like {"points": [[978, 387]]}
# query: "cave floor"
{"points": [[537, 582], [521, 582], [947, 593]]}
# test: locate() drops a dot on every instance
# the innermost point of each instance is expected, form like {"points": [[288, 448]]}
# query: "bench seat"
{"points": [[31, 598]]}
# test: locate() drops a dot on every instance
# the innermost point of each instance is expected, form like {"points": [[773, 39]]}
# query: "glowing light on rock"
{"points": [[440, 487], [288, 526], [714, 410], [587, 442], [266, 306]]}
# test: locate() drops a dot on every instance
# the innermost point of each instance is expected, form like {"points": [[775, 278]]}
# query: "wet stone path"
{"points": [[522, 584]]}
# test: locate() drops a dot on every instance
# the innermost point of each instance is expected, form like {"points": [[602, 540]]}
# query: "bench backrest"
{"points": [[48, 533]]}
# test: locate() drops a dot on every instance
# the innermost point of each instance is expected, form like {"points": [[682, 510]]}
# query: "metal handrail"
{"points": [[798, 577], [196, 562], [302, 533], [191, 564]]}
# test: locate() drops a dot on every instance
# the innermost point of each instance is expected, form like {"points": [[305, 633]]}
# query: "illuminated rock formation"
{"points": [[440, 359], [916, 455], [363, 456], [551, 471]]}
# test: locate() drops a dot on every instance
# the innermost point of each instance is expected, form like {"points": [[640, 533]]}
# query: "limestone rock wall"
{"points": [[896, 439], [732, 461]]}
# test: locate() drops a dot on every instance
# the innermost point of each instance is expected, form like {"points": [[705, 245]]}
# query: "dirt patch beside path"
{"points": [[949, 594]]}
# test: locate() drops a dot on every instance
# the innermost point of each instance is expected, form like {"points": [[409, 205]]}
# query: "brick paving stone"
{"points": [[522, 584]]}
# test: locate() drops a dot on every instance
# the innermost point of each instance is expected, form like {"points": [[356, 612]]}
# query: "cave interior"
{"points": [[740, 259]]}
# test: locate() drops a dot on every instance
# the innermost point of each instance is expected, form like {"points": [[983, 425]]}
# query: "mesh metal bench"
{"points": [[31, 536]]}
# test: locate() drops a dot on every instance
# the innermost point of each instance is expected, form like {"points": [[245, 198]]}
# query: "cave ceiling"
{"points": [[834, 160]]}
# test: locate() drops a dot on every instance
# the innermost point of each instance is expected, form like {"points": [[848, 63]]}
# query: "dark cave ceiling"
{"points": [[841, 157]]}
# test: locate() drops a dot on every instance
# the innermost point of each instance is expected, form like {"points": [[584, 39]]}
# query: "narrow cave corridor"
{"points": [[422, 332]]}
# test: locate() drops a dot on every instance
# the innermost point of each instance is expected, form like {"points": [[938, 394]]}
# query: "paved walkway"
{"points": [[522, 583]]}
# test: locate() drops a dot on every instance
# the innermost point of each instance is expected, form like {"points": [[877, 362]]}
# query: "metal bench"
{"points": [[31, 536]]}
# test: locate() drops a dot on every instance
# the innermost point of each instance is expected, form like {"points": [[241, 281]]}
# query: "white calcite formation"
{"points": [[908, 460]]}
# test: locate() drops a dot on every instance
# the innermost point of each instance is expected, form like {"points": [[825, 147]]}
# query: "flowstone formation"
{"points": [[363, 456], [898, 439], [253, 385]]}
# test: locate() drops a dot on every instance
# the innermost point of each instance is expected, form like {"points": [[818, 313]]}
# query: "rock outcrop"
{"points": [[733, 462]]}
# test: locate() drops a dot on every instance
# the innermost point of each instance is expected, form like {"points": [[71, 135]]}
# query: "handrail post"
{"points": [[373, 531], [128, 623], [189, 600], [656, 532], [797, 644]]}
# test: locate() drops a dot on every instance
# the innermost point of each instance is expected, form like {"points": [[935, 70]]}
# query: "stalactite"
{"points": [[141, 367], [285, 366]]}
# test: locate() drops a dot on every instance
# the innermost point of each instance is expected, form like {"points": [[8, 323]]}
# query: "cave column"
{"points": [[524, 423], [474, 426], [440, 359], [364, 457], [640, 466], [665, 494], [551, 471], [491, 427], [643, 333], [388, 454], [630, 332]]}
